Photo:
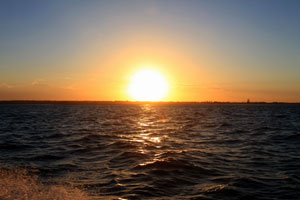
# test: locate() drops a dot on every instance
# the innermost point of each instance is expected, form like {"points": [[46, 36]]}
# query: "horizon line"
{"points": [[136, 102]]}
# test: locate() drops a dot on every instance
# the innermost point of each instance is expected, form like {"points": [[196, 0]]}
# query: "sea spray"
{"points": [[20, 184]]}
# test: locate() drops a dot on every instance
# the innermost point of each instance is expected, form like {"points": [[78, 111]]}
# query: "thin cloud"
{"points": [[5, 85], [39, 82]]}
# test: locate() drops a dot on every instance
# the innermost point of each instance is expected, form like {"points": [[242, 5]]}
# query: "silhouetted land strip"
{"points": [[132, 102]]}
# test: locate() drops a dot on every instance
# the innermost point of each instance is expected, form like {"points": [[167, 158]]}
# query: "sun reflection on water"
{"points": [[151, 136]]}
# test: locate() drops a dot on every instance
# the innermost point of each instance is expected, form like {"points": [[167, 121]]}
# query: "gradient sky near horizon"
{"points": [[209, 50]]}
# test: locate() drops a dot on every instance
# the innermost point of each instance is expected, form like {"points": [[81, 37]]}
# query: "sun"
{"points": [[148, 85]]}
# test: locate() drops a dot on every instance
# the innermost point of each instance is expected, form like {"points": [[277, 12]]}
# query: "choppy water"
{"points": [[150, 151]]}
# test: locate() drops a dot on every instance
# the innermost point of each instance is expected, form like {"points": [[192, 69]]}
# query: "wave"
{"points": [[14, 146], [47, 157], [175, 164]]}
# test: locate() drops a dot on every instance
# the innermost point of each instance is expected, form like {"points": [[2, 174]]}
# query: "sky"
{"points": [[208, 50]]}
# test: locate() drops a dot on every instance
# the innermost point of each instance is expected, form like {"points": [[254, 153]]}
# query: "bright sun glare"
{"points": [[148, 85]]}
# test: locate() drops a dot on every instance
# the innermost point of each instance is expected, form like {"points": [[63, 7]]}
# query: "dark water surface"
{"points": [[151, 151]]}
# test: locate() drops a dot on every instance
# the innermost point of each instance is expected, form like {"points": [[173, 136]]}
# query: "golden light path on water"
{"points": [[151, 126]]}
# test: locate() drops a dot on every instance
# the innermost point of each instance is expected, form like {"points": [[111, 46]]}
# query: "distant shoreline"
{"points": [[131, 102]]}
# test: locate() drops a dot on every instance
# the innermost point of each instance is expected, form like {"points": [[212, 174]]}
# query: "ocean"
{"points": [[150, 151]]}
